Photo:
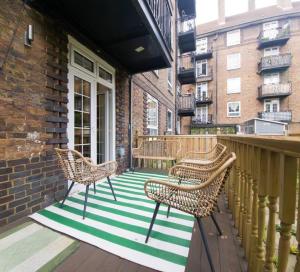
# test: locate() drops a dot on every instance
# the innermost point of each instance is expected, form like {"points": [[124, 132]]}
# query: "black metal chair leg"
{"points": [[94, 187], [85, 200], [152, 221], [66, 195], [168, 212], [112, 189], [205, 244], [216, 224]]}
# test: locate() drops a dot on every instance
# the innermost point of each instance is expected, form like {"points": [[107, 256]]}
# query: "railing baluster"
{"points": [[287, 205]]}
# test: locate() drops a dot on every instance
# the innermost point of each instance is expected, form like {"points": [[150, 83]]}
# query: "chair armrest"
{"points": [[107, 168], [189, 174]]}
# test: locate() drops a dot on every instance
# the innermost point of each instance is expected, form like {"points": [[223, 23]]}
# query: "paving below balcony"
{"points": [[226, 251]]}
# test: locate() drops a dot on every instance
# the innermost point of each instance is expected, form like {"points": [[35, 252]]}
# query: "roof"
{"points": [[266, 121], [248, 18]]}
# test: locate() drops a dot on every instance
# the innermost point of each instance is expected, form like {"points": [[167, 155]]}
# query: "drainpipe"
{"points": [[216, 77], [130, 123]]}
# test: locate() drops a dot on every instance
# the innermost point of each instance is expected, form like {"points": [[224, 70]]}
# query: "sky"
{"points": [[207, 10]]}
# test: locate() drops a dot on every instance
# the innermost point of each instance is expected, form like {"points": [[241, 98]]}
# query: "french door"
{"points": [[201, 45], [270, 29], [202, 114], [271, 105], [202, 90]]}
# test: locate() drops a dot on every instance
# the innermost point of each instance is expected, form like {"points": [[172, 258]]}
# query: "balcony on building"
{"points": [[186, 34], [203, 99], [186, 69], [201, 120], [281, 116], [274, 90], [203, 75], [275, 63], [136, 38], [274, 37], [186, 105], [204, 53], [187, 7]]}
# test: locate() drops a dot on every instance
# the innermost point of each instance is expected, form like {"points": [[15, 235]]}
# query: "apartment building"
{"points": [[246, 66], [71, 76]]}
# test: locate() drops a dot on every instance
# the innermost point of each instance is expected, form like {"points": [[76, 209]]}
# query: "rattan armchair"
{"points": [[195, 192], [80, 169], [213, 156]]}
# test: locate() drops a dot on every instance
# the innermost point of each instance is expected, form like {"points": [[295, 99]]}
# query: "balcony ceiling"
{"points": [[188, 6], [116, 27]]}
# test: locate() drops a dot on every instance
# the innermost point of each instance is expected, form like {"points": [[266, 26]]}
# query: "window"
{"points": [[233, 61], [271, 51], [83, 62], [271, 105], [272, 78], [202, 114], [233, 85], [201, 68], [233, 37], [169, 120], [105, 75], [201, 46], [170, 78], [234, 109], [201, 90], [270, 30], [152, 115]]}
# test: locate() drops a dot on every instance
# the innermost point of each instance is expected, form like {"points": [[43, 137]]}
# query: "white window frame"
{"points": [[273, 52], [199, 63], [272, 101], [239, 113], [272, 75], [270, 29], [232, 91], [231, 39], [170, 85], [170, 128], [202, 113], [201, 87], [155, 127], [201, 45], [234, 61]]}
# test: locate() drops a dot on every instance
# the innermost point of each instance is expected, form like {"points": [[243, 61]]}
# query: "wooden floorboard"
{"points": [[226, 251]]}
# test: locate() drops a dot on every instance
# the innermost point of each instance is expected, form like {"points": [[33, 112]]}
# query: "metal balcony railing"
{"points": [[283, 116], [275, 62], [203, 53], [202, 119], [186, 102], [203, 99], [186, 24], [161, 11], [276, 34], [275, 90]]}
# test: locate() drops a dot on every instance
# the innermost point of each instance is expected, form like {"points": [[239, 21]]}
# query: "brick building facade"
{"points": [[228, 75], [37, 87]]}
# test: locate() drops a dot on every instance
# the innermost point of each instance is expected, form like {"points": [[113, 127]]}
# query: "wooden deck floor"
{"points": [[226, 252]]}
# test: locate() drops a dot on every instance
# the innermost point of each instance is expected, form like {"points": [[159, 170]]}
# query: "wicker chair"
{"points": [[213, 156], [195, 193], [79, 169]]}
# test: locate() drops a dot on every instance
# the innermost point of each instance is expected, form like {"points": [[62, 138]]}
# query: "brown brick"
{"points": [[18, 202], [18, 162], [5, 185], [6, 199]]}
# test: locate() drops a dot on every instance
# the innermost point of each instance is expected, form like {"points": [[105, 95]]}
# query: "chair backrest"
{"points": [[160, 148], [73, 164]]}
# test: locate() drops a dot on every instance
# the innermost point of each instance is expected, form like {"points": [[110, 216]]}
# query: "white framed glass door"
{"points": [[271, 51], [272, 78], [201, 68], [201, 46], [270, 29], [202, 90], [271, 105], [202, 114]]}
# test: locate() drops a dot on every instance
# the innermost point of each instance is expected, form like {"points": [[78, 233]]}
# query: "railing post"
{"points": [[262, 191], [256, 159], [287, 205], [273, 191], [242, 192], [237, 188]]}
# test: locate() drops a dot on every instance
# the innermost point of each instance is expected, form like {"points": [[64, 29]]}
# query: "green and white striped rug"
{"points": [[32, 247], [120, 227]]}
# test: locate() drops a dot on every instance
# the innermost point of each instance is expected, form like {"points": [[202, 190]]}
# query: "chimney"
{"points": [[284, 4], [221, 12]]}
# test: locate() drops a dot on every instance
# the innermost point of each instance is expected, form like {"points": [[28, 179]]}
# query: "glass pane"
{"points": [[78, 102], [86, 104], [86, 88], [86, 136], [83, 61], [86, 151], [77, 85], [78, 119], [86, 120], [78, 148], [78, 136], [105, 75]]}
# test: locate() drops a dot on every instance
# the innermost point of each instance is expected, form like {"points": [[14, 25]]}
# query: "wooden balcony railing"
{"points": [[161, 11], [275, 62], [275, 90], [186, 102], [262, 192]]}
